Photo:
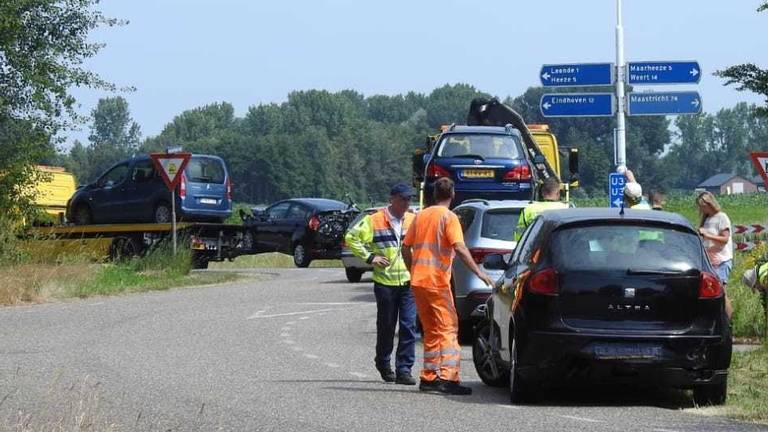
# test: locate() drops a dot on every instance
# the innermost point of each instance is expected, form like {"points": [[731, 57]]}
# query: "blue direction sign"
{"points": [[583, 74], [577, 104], [664, 103], [663, 72], [616, 183]]}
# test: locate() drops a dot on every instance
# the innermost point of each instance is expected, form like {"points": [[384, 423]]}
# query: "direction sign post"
{"points": [[663, 72], [616, 183], [664, 103], [171, 166], [578, 74], [577, 105], [760, 161]]}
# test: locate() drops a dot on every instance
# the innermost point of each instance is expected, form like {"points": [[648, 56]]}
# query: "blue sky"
{"points": [[181, 54]]}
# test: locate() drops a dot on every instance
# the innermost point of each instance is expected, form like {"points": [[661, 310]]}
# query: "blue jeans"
{"points": [[391, 302]]}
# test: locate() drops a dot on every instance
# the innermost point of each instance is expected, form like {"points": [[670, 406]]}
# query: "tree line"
{"points": [[324, 144]]}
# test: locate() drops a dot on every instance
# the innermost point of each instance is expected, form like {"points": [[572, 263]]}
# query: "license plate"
{"points": [[208, 201], [478, 173], [627, 352]]}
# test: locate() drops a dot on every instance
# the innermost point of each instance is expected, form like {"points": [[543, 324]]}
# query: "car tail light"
{"points": [[520, 172], [343, 243], [183, 187], [229, 189], [479, 254], [435, 171], [544, 282], [314, 223], [709, 286]]}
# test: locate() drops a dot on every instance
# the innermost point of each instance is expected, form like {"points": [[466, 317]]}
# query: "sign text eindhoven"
{"points": [[581, 74], [663, 72], [577, 105]]}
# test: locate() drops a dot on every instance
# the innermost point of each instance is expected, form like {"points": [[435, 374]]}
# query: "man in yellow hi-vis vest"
{"points": [[378, 239], [550, 192]]}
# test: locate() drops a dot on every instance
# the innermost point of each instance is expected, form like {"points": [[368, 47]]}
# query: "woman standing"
{"points": [[715, 230]]}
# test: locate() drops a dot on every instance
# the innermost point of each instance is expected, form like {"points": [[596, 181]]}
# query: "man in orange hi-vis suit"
{"points": [[434, 238]]}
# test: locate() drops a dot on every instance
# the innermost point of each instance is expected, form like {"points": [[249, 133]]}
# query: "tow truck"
{"points": [[541, 147]]}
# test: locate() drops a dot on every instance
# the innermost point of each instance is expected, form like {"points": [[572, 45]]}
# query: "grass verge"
{"points": [[35, 282], [271, 260], [747, 388]]}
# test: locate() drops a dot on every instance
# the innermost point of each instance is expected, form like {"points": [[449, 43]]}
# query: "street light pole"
{"points": [[621, 138]]}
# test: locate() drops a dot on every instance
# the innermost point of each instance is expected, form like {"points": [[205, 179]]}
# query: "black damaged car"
{"points": [[307, 228], [596, 295]]}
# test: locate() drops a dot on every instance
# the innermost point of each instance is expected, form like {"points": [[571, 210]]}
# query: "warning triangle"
{"points": [[170, 166], [760, 161]]}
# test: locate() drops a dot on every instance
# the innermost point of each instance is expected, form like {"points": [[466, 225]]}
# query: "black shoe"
{"points": [[387, 375], [405, 379], [429, 386], [453, 388]]}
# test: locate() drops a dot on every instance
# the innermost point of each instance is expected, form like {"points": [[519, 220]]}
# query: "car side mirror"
{"points": [[495, 262]]}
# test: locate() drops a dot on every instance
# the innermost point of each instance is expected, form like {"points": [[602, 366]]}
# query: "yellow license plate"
{"points": [[478, 173]]}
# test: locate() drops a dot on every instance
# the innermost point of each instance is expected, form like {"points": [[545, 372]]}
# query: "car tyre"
{"points": [[162, 213], [519, 390], [710, 394], [353, 274], [199, 261], [123, 248], [83, 215], [301, 255], [249, 242], [486, 357]]}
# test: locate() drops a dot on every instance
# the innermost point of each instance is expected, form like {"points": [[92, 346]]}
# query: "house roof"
{"points": [[716, 180]]}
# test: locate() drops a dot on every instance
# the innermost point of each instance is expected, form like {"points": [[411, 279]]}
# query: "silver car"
{"points": [[489, 228]]}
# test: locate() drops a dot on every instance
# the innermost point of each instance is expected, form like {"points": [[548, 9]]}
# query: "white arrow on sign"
{"points": [[547, 105], [695, 103], [618, 202], [546, 76], [694, 72]]}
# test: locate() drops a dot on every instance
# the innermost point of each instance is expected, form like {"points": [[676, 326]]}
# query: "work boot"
{"points": [[387, 375], [453, 388], [429, 386], [405, 379]]}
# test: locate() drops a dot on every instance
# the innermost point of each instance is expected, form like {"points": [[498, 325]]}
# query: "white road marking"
{"points": [[304, 318], [333, 365], [260, 314], [358, 374], [290, 323], [665, 430], [289, 342], [311, 356], [96, 304], [581, 419], [295, 348]]}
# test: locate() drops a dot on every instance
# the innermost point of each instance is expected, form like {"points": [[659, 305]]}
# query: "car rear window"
{"points": [[486, 146], [328, 205], [500, 224], [626, 247], [205, 170]]}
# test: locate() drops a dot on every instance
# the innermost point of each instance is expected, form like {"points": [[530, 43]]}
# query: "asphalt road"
{"points": [[290, 352]]}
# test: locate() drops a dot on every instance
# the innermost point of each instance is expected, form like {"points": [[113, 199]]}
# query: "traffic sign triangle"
{"points": [[170, 166], [760, 161]]}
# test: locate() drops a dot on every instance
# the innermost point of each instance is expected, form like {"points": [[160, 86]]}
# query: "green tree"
{"points": [[43, 45], [748, 76], [114, 136]]}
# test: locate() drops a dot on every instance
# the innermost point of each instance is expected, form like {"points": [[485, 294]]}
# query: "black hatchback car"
{"points": [[604, 295], [307, 228]]}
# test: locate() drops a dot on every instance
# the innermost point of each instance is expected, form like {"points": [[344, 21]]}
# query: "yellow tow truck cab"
{"points": [[55, 191]]}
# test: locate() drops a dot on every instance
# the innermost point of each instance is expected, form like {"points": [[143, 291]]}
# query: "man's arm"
{"points": [[359, 237], [466, 258], [407, 256]]}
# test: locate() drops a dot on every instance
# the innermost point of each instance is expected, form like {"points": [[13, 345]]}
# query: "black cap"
{"points": [[403, 190]]}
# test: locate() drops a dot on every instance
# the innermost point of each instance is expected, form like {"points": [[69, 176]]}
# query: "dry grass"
{"points": [[36, 283]]}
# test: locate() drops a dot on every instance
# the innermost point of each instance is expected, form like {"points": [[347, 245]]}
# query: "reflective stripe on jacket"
{"points": [[533, 209], [374, 235]]}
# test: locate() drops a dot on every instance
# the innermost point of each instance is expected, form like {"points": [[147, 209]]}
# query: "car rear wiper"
{"points": [[470, 155], [663, 272]]}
